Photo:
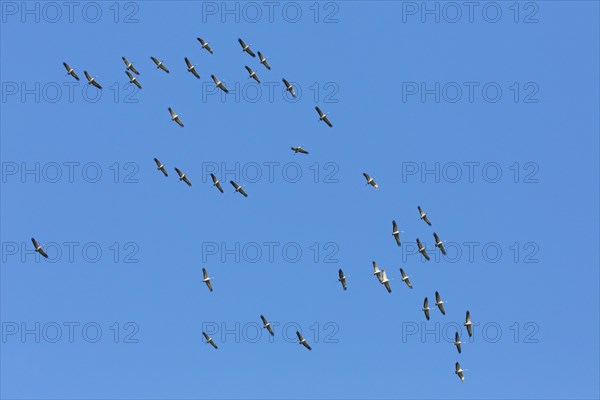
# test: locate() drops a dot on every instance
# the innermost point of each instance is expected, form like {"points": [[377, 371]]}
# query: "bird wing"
{"points": [[300, 338], [397, 237], [209, 49], [286, 83], [87, 75], [187, 62], [442, 249], [202, 42], [212, 342], [171, 112], [457, 366], [74, 75], [242, 43], [218, 185], [264, 320], [96, 84], [426, 220], [420, 210], [206, 336], [249, 51], [426, 303], [468, 317], [306, 345], [223, 88], [178, 172], [270, 329], [319, 111], [135, 71], [301, 150], [427, 314], [186, 180], [408, 283], [461, 376], [209, 285], [242, 191], [162, 66], [204, 273], [470, 330], [235, 185], [164, 171], [248, 69], [402, 273], [214, 178], [436, 237], [195, 73], [136, 83], [155, 60], [419, 244], [367, 177], [67, 66], [388, 287], [426, 255], [341, 273], [394, 226], [215, 79], [157, 161], [264, 62], [458, 348], [437, 297], [441, 307], [179, 122], [129, 75], [328, 122], [35, 243]]}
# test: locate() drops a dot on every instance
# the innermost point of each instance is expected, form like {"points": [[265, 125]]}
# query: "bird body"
{"points": [[70, 71], [299, 149], [370, 181]]}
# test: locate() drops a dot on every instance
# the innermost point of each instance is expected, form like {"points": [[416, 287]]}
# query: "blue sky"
{"points": [[492, 127]]}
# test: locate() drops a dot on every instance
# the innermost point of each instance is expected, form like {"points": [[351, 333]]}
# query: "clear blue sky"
{"points": [[370, 63]]}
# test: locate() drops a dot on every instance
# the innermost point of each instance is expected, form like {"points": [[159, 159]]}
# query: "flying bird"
{"points": [[299, 149], [133, 79], [423, 215], [302, 340], [160, 166], [263, 61], [206, 279], [183, 177], [175, 117], [252, 73], [91, 80], [405, 278], [370, 181], [323, 117], [129, 66], [376, 271], [246, 48], [70, 71], [342, 279], [238, 188], [426, 308], [422, 250], [396, 232], [459, 371], [209, 340], [159, 64], [216, 182], [39, 248], [267, 325], [457, 342], [385, 281], [289, 87], [469, 324], [191, 67], [205, 45], [439, 303], [438, 243], [219, 84]]}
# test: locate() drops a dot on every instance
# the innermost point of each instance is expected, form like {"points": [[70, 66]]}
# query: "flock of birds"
{"points": [[381, 275]]}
